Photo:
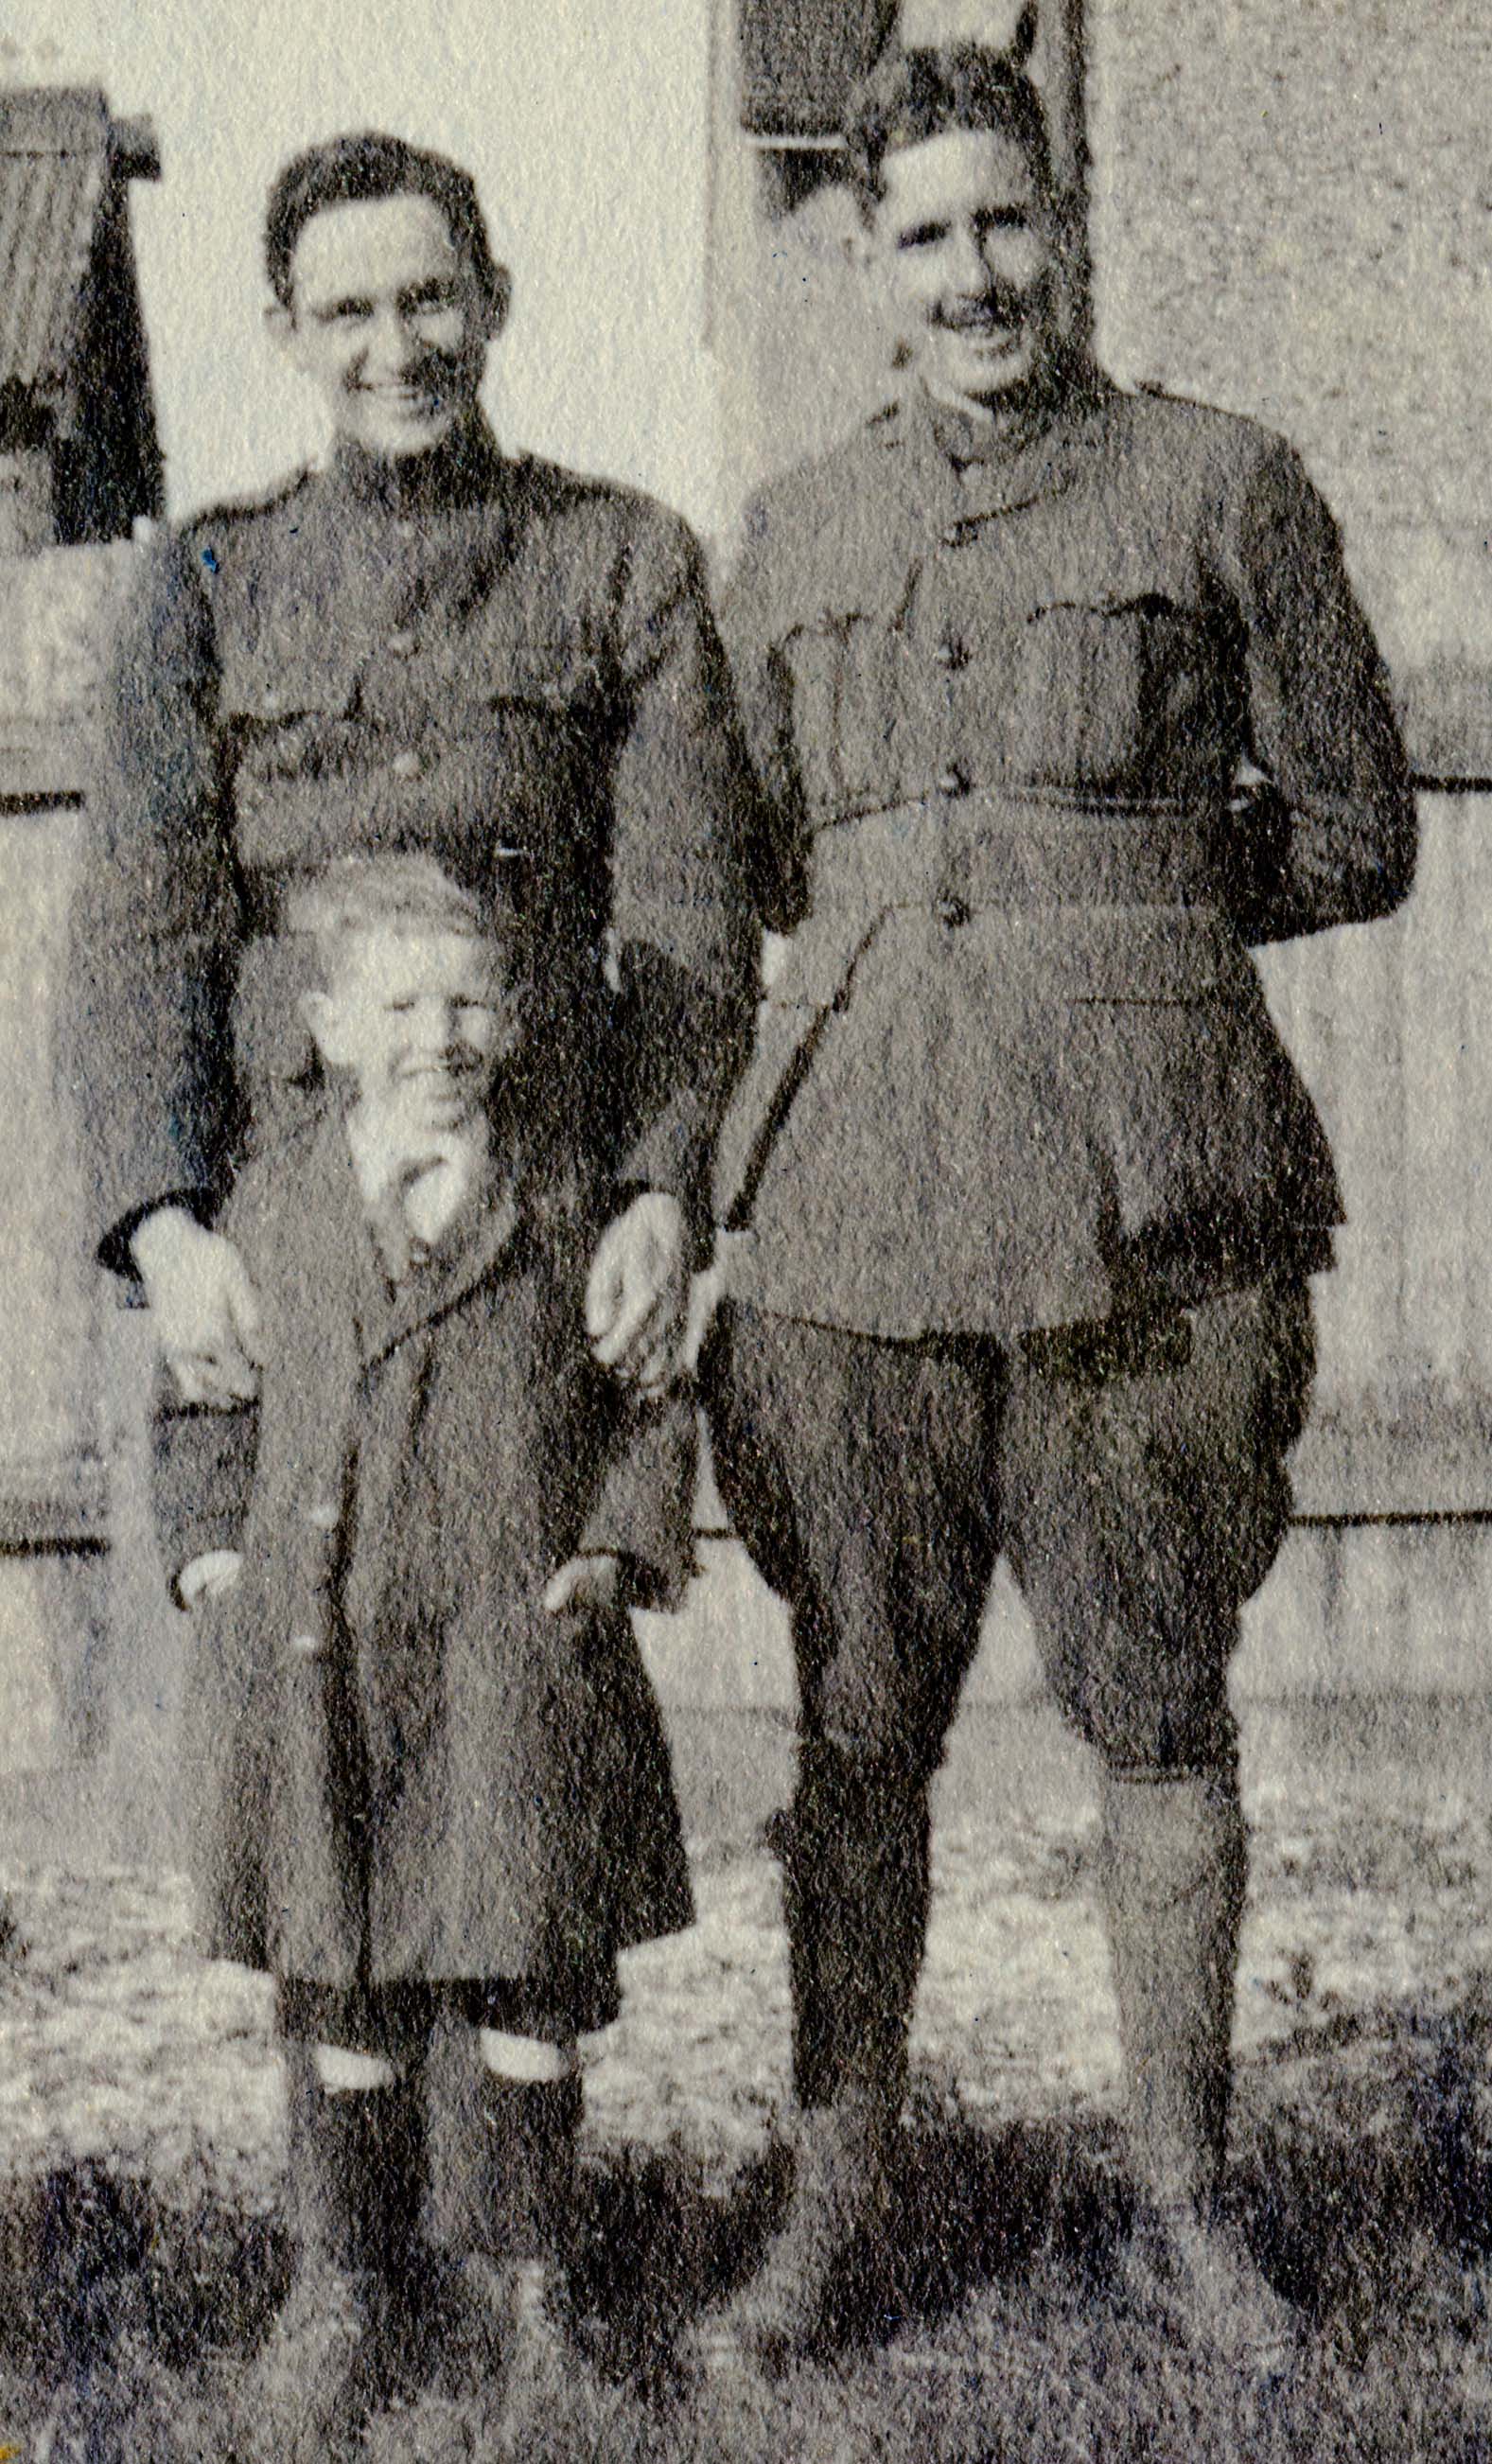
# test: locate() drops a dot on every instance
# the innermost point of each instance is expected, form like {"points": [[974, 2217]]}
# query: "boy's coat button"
{"points": [[306, 1646], [321, 1517], [406, 764]]}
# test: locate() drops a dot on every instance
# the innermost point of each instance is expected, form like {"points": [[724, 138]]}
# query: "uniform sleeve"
{"points": [[779, 841], [155, 920], [683, 801], [644, 1511], [1333, 834], [202, 1467]]}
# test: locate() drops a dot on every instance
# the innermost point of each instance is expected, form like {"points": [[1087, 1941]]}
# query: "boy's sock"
{"points": [[341, 2072], [533, 2060]]}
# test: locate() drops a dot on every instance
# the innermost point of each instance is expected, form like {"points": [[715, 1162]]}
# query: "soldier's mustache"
{"points": [[999, 306]]}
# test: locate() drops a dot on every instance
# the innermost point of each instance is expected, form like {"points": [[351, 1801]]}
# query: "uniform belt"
{"points": [[988, 850]]}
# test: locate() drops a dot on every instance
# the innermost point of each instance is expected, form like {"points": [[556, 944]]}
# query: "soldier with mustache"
{"points": [[1063, 701]]}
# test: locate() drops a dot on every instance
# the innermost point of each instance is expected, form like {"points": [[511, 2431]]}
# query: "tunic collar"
{"points": [[467, 468], [977, 467]]}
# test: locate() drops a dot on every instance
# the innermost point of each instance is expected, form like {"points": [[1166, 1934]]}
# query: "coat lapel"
{"points": [[447, 1280]]}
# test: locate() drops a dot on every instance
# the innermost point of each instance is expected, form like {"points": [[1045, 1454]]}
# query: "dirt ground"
{"points": [[141, 2124]]}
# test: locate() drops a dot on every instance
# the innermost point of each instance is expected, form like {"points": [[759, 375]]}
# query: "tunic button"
{"points": [[952, 781], [402, 644], [406, 764], [321, 1517], [406, 530], [952, 652], [306, 1646]]}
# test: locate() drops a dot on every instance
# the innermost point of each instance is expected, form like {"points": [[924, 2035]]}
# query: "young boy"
{"points": [[433, 1797]]}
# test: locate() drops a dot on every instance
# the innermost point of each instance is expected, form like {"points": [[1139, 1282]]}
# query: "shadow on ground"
{"points": [[991, 2325]]}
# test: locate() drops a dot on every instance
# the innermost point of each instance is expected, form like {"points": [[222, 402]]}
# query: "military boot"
{"points": [[330, 2355], [1174, 1860], [855, 1867]]}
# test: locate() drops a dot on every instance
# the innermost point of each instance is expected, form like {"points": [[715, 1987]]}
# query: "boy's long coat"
{"points": [[402, 1768]]}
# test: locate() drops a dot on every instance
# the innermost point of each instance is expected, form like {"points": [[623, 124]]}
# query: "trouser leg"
{"points": [[856, 1886], [853, 1471]]}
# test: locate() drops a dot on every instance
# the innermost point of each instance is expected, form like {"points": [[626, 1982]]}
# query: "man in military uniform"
{"points": [[1063, 700], [425, 645]]}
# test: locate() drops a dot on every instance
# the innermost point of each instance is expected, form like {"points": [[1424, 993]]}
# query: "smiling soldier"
{"points": [[385, 654], [1063, 701]]}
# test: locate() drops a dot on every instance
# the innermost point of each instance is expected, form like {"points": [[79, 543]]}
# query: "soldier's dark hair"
{"points": [[911, 96], [364, 168]]}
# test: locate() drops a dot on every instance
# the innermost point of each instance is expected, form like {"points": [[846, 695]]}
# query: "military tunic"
{"points": [[481, 656], [1052, 737]]}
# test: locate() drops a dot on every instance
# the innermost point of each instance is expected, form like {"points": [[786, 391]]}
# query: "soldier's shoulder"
{"points": [[1181, 427], [588, 503], [259, 507], [824, 481]]}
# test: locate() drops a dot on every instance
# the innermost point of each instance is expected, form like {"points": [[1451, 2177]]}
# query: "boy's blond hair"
{"points": [[405, 892]]}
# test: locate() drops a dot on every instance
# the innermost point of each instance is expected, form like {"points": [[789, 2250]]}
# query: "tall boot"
{"points": [[502, 2210], [1174, 1874], [327, 2361], [855, 1858]]}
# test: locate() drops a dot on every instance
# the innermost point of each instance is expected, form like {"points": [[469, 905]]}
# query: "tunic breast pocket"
{"points": [[1106, 695], [286, 711], [840, 675]]}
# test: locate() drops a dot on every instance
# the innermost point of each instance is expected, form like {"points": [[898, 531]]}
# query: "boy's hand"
{"points": [[209, 1576], [585, 1583], [637, 1295], [203, 1306]]}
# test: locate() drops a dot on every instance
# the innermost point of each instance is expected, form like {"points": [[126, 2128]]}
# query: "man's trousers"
{"points": [[1133, 1474]]}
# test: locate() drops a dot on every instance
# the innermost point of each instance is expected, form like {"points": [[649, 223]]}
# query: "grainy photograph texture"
{"points": [[746, 1385]]}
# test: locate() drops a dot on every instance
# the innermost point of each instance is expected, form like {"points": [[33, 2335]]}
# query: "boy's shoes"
{"points": [[322, 2370], [1193, 2265]]}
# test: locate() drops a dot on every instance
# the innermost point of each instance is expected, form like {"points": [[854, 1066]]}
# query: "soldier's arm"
{"points": [[683, 804], [155, 921], [749, 629], [1334, 833], [643, 1512]]}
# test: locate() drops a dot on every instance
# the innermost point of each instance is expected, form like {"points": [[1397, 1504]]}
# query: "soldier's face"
{"points": [[963, 241], [389, 322], [416, 1020]]}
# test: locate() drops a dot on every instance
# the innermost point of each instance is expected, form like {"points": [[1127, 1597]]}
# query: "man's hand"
{"points": [[637, 1294], [589, 1582], [203, 1306]]}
